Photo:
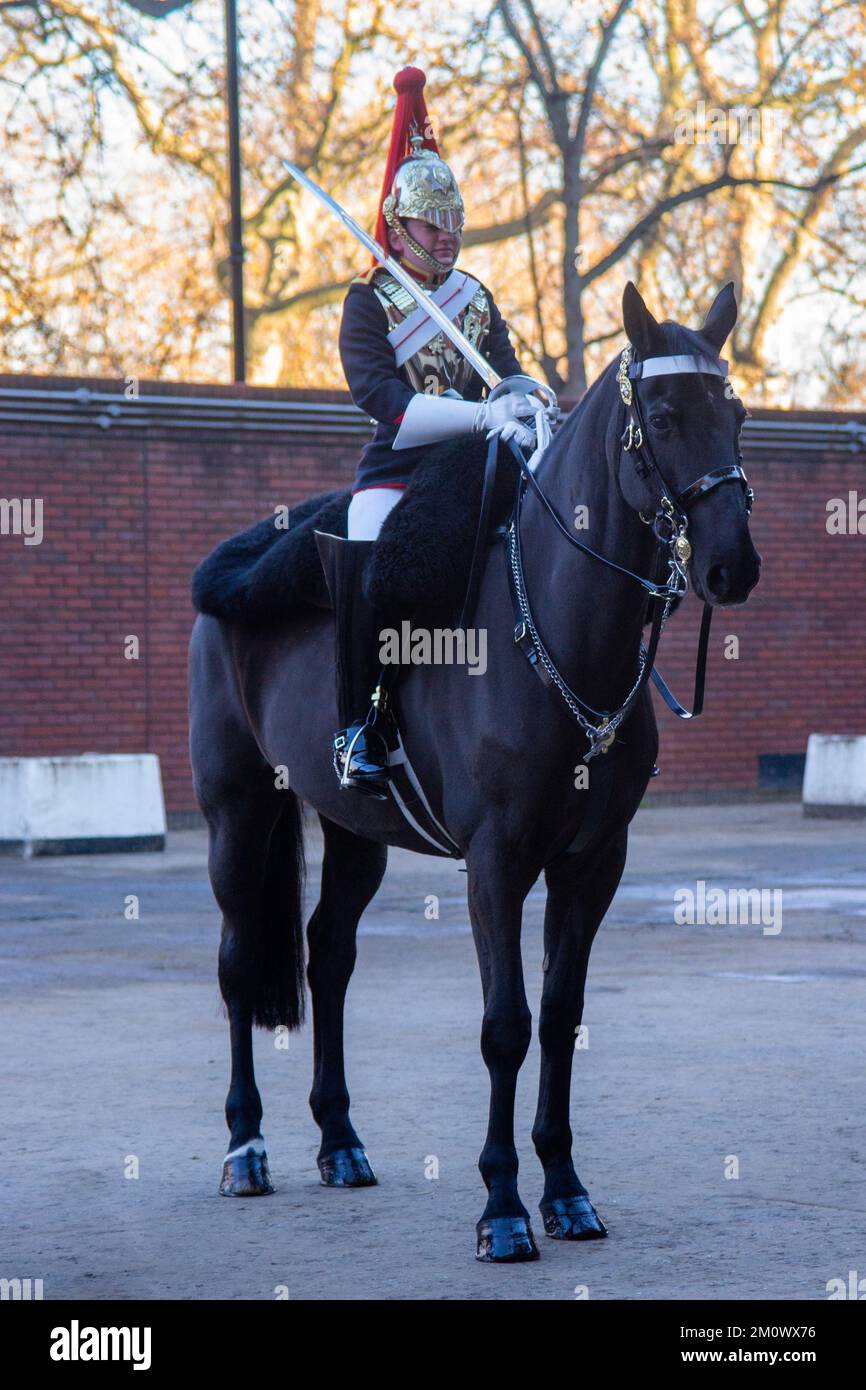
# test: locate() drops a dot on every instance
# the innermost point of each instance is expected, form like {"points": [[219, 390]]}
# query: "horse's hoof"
{"points": [[505, 1240], [245, 1172], [346, 1168], [572, 1218]]}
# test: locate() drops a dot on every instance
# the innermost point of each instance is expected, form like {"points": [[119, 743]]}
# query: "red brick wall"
{"points": [[129, 511], [802, 657]]}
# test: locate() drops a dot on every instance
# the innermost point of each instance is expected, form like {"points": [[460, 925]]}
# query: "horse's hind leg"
{"points": [[352, 870], [579, 893], [256, 869]]}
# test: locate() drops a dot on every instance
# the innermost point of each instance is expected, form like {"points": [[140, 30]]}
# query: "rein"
{"points": [[673, 553]]}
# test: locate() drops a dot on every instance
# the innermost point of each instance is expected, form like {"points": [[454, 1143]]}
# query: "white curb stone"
{"points": [[834, 783], [91, 804]]}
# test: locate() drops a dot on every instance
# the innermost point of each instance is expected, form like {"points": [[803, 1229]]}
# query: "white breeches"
{"points": [[368, 509]]}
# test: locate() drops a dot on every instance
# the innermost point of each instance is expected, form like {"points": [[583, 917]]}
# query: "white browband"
{"points": [[669, 366]]}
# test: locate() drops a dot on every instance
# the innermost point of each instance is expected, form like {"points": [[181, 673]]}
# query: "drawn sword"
{"points": [[420, 295]]}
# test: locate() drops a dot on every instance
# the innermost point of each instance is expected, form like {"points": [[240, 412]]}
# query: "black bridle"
{"points": [[673, 553], [635, 440]]}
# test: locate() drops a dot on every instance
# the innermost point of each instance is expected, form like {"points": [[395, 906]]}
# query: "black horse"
{"points": [[496, 757]]}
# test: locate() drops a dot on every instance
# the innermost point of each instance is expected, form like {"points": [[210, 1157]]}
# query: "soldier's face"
{"points": [[441, 244]]}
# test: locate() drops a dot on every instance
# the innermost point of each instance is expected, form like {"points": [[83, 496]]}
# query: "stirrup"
{"points": [[356, 740]]}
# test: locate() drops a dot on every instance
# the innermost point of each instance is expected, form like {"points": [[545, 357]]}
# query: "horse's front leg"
{"points": [[496, 894], [352, 870], [579, 892]]}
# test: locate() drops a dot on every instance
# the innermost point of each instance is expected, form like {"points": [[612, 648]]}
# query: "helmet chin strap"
{"points": [[438, 267]]}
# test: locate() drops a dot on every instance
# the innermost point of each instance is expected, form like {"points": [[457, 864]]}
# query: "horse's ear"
{"points": [[643, 332], [721, 318]]}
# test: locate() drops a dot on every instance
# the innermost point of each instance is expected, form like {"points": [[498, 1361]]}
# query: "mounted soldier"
{"points": [[404, 372], [653, 448]]}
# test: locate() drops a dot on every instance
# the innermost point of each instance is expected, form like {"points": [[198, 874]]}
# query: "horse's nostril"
{"points": [[718, 580]]}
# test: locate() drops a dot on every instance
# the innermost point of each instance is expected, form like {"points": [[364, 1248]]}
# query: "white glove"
{"points": [[534, 435], [512, 405], [513, 429]]}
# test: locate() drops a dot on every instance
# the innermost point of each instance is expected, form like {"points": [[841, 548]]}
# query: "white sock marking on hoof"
{"points": [[257, 1146]]}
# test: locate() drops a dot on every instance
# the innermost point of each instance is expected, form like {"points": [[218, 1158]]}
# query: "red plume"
{"points": [[411, 109]]}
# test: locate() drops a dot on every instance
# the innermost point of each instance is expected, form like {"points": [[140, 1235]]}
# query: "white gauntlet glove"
{"points": [[513, 405], [428, 419]]}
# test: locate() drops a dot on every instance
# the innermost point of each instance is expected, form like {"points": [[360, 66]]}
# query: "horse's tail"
{"points": [[277, 986], [258, 881]]}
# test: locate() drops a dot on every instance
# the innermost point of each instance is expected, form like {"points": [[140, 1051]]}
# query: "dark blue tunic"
{"points": [[381, 389]]}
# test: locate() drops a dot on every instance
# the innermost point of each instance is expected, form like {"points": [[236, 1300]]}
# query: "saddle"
{"points": [[419, 567]]}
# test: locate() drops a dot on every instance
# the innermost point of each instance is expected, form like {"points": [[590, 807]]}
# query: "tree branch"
{"points": [[607, 32], [689, 195], [554, 100]]}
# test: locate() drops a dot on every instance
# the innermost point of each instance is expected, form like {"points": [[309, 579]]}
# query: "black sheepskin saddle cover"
{"points": [[418, 567]]}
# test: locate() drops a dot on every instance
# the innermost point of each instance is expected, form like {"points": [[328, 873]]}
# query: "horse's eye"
{"points": [[661, 422]]}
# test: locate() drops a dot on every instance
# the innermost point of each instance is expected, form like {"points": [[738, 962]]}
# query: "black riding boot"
{"points": [[361, 746]]}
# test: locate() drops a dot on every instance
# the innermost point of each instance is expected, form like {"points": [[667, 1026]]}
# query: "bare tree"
{"points": [[629, 182], [567, 127]]}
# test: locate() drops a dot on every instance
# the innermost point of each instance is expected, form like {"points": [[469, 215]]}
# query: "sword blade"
{"points": [[481, 365]]}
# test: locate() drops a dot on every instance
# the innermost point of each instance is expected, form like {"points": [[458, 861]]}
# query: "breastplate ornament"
{"points": [[439, 364]]}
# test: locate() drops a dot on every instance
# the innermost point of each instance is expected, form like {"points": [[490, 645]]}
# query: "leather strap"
{"points": [[664, 689], [647, 584], [523, 639], [731, 472], [479, 550]]}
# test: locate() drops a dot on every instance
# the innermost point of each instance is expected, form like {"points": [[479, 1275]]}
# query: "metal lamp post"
{"points": [[236, 246]]}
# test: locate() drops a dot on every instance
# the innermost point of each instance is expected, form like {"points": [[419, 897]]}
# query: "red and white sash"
{"points": [[418, 328]]}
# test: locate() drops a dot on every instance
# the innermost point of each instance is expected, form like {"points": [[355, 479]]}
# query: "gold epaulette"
{"points": [[366, 276]]}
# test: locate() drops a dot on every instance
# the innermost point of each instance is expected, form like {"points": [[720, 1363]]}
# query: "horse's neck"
{"points": [[589, 616]]}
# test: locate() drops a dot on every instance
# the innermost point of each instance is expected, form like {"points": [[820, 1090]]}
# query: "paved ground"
{"points": [[707, 1044]]}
